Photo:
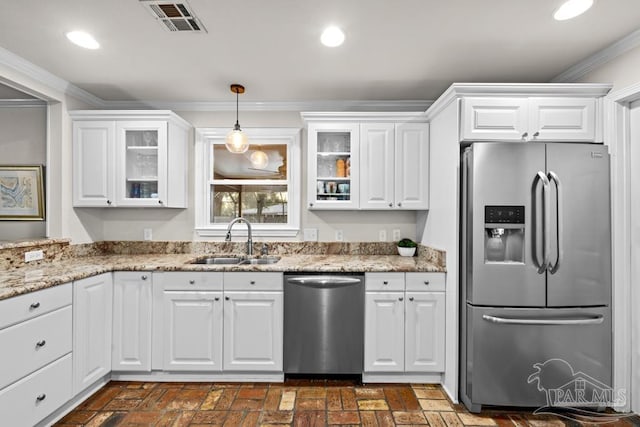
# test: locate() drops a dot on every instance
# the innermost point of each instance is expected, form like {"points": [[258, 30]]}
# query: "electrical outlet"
{"points": [[382, 235], [310, 234], [339, 236], [33, 256], [396, 235], [148, 234]]}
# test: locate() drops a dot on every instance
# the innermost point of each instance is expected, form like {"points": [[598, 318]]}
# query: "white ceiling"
{"points": [[394, 49]]}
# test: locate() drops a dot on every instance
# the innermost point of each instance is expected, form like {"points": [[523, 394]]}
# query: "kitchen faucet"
{"points": [[249, 237]]}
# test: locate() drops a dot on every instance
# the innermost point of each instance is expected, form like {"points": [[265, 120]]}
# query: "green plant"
{"points": [[407, 243]]}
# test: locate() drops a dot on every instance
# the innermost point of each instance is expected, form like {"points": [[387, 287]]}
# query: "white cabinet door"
{"points": [[131, 350], [253, 331], [328, 187], [376, 165], [141, 172], [562, 119], [425, 326], [494, 119], [92, 315], [192, 331], [411, 166], [384, 332], [93, 163]]}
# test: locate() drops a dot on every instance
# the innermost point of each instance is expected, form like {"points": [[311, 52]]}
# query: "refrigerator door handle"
{"points": [[545, 221], [556, 180], [594, 320]]}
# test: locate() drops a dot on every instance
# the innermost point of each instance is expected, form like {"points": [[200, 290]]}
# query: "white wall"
{"points": [[177, 224], [621, 71], [23, 132]]}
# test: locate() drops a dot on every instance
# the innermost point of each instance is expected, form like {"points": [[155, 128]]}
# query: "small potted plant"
{"points": [[407, 247]]}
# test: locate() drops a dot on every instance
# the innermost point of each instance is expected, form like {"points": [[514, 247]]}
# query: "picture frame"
{"points": [[22, 193]]}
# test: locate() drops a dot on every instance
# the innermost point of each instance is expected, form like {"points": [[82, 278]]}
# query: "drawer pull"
{"points": [[226, 298], [426, 282], [217, 298], [144, 277], [41, 343], [192, 282], [35, 305], [410, 298], [400, 299], [41, 397], [253, 282], [385, 282]]}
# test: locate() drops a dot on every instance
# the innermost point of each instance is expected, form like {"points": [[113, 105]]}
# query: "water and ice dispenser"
{"points": [[504, 234]]}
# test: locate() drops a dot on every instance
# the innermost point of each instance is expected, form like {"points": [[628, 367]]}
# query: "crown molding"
{"points": [[10, 103], [587, 65]]}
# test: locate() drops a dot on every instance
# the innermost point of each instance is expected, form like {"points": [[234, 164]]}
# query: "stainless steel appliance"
{"points": [[323, 324], [535, 270]]}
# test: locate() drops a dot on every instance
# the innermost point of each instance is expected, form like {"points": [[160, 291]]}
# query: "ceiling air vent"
{"points": [[174, 16]]}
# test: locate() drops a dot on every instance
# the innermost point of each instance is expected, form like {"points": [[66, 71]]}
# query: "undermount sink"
{"points": [[230, 260]]}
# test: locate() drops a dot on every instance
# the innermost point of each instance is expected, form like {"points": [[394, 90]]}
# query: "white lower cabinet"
{"points": [[424, 332], [92, 323], [384, 332], [404, 329], [131, 349], [253, 331], [192, 331]]}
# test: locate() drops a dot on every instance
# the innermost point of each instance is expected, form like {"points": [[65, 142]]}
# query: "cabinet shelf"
{"points": [[143, 179], [334, 153], [142, 148], [334, 178], [333, 194]]}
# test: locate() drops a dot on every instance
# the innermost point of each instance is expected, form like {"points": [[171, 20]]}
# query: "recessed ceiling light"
{"points": [[332, 37], [83, 39], [571, 9]]}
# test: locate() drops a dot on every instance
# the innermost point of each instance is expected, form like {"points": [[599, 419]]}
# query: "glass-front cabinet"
{"points": [[144, 149], [333, 165]]}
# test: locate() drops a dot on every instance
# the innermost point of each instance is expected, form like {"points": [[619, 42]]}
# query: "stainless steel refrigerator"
{"points": [[535, 271]]}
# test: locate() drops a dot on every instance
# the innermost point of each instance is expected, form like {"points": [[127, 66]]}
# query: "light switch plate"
{"points": [[310, 234], [382, 235], [148, 234], [396, 234]]}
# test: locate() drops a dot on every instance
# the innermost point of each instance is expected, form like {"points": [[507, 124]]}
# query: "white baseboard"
{"points": [[398, 377]]}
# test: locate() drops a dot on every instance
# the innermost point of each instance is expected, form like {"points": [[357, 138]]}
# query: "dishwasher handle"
{"points": [[324, 281]]}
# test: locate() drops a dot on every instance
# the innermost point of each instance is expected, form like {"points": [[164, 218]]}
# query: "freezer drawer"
{"points": [[503, 345]]}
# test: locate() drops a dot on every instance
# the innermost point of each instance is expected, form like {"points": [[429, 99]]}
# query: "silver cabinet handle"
{"points": [[217, 298], [536, 134], [41, 397], [252, 282], [390, 205], [410, 298], [525, 135], [109, 202], [34, 305], [399, 204], [385, 282], [311, 204], [159, 202], [556, 180], [426, 282], [545, 221], [41, 343], [144, 277], [400, 299], [192, 282], [226, 298], [595, 320]]}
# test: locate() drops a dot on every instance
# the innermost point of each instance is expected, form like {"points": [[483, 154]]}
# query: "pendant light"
{"points": [[237, 141]]}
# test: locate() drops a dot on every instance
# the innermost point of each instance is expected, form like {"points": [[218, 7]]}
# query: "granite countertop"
{"points": [[27, 279]]}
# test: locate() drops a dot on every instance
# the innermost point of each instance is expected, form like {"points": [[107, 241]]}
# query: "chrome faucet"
{"points": [[249, 237]]}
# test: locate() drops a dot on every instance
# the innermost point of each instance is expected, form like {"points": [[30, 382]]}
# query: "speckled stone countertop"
{"points": [[69, 267]]}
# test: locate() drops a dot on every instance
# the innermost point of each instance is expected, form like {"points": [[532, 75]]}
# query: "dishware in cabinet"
{"points": [[333, 165]]}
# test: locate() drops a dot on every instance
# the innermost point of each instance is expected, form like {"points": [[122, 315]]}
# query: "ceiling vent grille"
{"points": [[174, 16]]}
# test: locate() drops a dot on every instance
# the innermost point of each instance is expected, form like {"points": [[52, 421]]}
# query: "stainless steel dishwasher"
{"points": [[323, 324]]}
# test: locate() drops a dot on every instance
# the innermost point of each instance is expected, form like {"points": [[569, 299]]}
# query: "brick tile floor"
{"points": [[295, 402]]}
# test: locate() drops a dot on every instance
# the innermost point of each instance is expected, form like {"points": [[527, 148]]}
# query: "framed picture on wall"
{"points": [[21, 193]]}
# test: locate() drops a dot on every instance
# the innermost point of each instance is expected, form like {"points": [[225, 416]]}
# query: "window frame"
{"points": [[205, 138]]}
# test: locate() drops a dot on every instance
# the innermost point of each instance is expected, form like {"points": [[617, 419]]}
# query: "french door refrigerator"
{"points": [[535, 271]]}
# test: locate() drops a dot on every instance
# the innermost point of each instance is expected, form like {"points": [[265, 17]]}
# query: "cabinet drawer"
{"points": [[187, 280], [30, 345], [18, 309], [426, 281], [253, 281], [384, 281], [30, 400]]}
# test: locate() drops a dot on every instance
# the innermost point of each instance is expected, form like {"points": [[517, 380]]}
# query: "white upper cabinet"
{"points": [[129, 158], [376, 161], [522, 119], [333, 165]]}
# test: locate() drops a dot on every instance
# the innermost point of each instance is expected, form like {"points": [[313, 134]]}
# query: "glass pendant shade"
{"points": [[237, 141], [259, 159]]}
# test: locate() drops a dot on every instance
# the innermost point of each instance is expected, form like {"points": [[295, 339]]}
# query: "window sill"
{"points": [[255, 231]]}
